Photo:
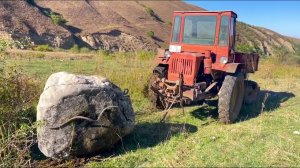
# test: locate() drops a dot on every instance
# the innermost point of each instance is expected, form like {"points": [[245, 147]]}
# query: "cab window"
{"points": [[199, 30], [223, 34], [232, 32], [176, 29]]}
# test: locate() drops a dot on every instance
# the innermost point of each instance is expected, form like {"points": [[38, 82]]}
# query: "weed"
{"points": [[57, 19], [43, 48], [22, 43], [75, 49], [15, 144], [3, 45], [246, 48], [17, 93], [84, 50], [150, 34], [150, 11]]}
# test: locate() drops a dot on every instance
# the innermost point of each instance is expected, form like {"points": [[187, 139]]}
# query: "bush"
{"points": [[245, 48], [150, 11], [22, 43], [17, 93], [75, 49], [43, 48], [57, 19], [150, 34], [3, 45], [84, 50]]}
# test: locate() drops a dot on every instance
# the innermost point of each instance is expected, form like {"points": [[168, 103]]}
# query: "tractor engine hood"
{"points": [[184, 63]]}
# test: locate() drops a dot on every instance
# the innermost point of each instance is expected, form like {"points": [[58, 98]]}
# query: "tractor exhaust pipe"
{"points": [[207, 62]]}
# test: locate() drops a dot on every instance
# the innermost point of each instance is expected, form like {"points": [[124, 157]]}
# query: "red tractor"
{"points": [[201, 63]]}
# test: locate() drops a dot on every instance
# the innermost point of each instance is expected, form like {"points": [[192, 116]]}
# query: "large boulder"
{"points": [[81, 115]]}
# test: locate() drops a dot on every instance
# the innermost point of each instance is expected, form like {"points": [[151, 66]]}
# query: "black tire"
{"points": [[231, 97], [251, 92], [154, 98]]}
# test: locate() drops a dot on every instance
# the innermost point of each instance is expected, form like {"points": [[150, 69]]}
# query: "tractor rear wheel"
{"points": [[154, 98], [231, 97], [251, 92]]}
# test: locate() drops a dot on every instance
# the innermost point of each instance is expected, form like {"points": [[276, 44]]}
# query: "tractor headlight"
{"points": [[167, 54], [223, 60]]}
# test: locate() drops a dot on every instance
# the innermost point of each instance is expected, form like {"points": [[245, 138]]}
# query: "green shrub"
{"points": [[57, 19], [150, 34], [22, 43], [84, 50], [3, 45], [75, 49], [150, 11], [245, 48], [18, 95], [43, 48], [18, 92]]}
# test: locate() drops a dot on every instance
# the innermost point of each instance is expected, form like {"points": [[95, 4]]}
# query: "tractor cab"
{"points": [[197, 32]]}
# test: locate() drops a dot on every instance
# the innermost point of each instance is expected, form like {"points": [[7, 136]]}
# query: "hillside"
{"points": [[19, 20], [266, 40], [112, 25]]}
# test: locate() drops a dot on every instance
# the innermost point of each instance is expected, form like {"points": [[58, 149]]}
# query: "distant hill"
{"points": [[112, 25], [18, 19]]}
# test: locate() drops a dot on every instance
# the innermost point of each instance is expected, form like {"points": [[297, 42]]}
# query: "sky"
{"points": [[280, 16]]}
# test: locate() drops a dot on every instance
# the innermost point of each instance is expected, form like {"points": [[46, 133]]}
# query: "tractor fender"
{"points": [[233, 67]]}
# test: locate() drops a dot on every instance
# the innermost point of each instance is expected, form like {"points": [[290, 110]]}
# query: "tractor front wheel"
{"points": [[231, 97], [154, 97]]}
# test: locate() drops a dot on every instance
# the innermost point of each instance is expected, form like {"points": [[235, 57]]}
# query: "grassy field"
{"points": [[193, 138]]}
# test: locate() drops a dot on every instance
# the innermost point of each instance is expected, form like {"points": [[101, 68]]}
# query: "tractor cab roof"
{"points": [[207, 12]]}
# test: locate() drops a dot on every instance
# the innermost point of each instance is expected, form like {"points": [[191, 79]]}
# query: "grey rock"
{"points": [[81, 115]]}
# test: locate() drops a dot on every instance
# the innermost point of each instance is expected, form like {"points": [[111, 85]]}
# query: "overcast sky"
{"points": [[280, 16]]}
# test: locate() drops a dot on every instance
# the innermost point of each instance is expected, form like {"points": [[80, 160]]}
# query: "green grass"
{"points": [[194, 138], [297, 48], [130, 71]]}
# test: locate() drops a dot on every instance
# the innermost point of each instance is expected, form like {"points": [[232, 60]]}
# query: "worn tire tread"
{"points": [[225, 98]]}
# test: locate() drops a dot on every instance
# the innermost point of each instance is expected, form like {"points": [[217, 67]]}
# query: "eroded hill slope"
{"points": [[113, 25]]}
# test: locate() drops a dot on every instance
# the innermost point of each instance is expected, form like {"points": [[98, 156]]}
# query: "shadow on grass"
{"points": [[208, 110], [273, 102], [148, 135], [145, 135]]}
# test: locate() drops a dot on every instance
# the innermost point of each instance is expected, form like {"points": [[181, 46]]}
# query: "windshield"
{"points": [[199, 30]]}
